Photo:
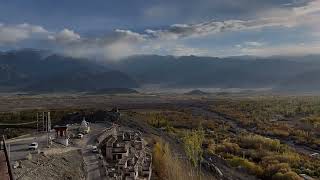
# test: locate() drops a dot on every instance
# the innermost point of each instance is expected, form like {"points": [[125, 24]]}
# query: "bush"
{"points": [[286, 176], [251, 167], [273, 169], [260, 142], [280, 132], [192, 142], [288, 157], [227, 147]]}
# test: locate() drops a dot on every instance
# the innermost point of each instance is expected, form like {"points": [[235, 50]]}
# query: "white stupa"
{"points": [[84, 123], [84, 127]]}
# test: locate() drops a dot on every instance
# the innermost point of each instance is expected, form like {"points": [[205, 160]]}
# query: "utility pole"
{"points": [[44, 121], [45, 118], [9, 152], [48, 127], [37, 123], [41, 119]]}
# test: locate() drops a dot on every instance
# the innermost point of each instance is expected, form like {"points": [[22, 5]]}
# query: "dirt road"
{"points": [[94, 168]]}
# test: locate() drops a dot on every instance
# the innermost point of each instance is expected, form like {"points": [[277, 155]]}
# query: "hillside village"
{"points": [[126, 154], [107, 150]]}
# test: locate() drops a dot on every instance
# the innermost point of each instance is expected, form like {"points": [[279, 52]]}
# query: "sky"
{"points": [[115, 29]]}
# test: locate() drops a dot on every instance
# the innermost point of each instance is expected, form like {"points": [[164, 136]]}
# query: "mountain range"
{"points": [[296, 73], [33, 70], [38, 71]]}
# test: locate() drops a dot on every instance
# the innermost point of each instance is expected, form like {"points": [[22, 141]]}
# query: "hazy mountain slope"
{"points": [[238, 72], [33, 70], [307, 82], [84, 81]]}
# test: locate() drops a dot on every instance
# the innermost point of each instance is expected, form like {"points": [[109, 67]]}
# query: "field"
{"points": [[267, 137]]}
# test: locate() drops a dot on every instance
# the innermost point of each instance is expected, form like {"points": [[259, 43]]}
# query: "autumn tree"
{"points": [[193, 145]]}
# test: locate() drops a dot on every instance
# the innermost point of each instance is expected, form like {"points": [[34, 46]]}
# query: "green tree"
{"points": [[193, 145]]}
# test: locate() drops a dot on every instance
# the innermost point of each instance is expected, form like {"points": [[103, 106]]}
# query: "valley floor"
{"points": [[255, 137]]}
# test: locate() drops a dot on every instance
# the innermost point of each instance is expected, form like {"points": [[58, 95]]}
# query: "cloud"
{"points": [[183, 50], [285, 17], [168, 40], [172, 48], [116, 45], [177, 31], [130, 36], [289, 49], [182, 31], [65, 36], [310, 8], [16, 33], [253, 43], [122, 43], [250, 44]]}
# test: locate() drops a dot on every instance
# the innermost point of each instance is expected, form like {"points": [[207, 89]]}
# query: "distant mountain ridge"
{"points": [[31, 70], [196, 92], [42, 71], [304, 82], [232, 72]]}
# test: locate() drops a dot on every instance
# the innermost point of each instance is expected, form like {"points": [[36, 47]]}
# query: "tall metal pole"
{"points": [[9, 152], [45, 121], [48, 127], [49, 121], [43, 125], [37, 122]]}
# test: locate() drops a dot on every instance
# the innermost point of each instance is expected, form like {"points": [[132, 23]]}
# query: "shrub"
{"points": [[251, 167], [259, 142], [287, 157], [273, 169], [280, 132], [193, 145], [228, 147], [286, 176]]}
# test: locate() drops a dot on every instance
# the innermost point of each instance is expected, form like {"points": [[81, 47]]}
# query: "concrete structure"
{"points": [[126, 155], [61, 135], [107, 132]]}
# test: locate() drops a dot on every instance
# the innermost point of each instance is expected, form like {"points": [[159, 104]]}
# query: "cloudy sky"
{"points": [[113, 29]]}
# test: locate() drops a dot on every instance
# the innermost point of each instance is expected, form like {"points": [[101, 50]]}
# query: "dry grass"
{"points": [[168, 167]]}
